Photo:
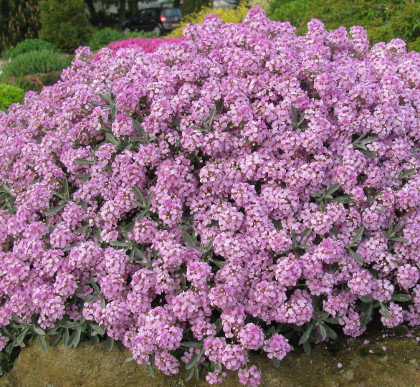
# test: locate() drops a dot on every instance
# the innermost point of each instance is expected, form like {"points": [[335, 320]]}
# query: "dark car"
{"points": [[159, 20]]}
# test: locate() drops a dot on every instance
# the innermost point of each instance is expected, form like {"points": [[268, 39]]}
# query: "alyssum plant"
{"points": [[243, 190]]}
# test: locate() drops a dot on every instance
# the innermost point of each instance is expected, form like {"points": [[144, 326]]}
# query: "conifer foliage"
{"points": [[65, 24], [19, 20]]}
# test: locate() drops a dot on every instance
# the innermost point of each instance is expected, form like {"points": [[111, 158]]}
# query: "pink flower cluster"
{"points": [[146, 44], [204, 198]]}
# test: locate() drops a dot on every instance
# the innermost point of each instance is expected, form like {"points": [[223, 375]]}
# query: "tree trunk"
{"points": [[133, 6], [91, 9], [122, 11]]}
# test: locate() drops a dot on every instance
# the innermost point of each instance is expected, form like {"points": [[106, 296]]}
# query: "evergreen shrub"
{"points": [[103, 37], [33, 62], [65, 24], [19, 20], [384, 20], [26, 46]]}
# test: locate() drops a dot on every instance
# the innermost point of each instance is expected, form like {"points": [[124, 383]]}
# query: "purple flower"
{"points": [[204, 189]]}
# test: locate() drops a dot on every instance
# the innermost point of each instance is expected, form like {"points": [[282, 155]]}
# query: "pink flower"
{"points": [[277, 347], [250, 376]]}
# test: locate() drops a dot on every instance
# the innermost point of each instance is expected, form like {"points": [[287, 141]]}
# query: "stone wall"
{"points": [[385, 361]]}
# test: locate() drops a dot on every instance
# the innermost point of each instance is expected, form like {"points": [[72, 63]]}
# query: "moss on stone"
{"points": [[92, 365], [400, 330]]}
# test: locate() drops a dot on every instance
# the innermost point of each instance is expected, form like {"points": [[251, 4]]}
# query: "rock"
{"points": [[50, 78], [92, 365]]}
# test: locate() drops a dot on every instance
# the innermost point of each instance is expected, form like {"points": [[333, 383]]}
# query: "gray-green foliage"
{"points": [[26, 46], [34, 62], [21, 333]]}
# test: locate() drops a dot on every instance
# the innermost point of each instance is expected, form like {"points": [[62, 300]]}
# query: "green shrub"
{"points": [[264, 4], [34, 62], [65, 24], [26, 46], [19, 20], [384, 20], [10, 94], [414, 45], [105, 36], [140, 34], [294, 11], [403, 22], [192, 7]]}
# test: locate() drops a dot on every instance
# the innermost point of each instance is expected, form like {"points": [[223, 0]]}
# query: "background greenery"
{"points": [[27, 46], [69, 23], [65, 24], [234, 15], [19, 20], [384, 20], [10, 94], [105, 36], [42, 61]]}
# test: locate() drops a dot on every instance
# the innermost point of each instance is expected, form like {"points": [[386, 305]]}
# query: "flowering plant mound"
{"points": [[243, 190], [147, 44]]}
